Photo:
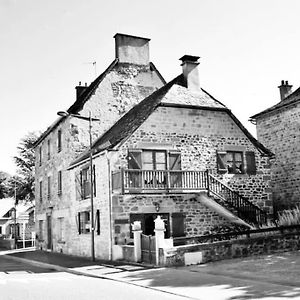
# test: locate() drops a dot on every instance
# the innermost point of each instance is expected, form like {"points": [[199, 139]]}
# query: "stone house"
{"points": [[180, 154], [129, 78], [278, 128]]}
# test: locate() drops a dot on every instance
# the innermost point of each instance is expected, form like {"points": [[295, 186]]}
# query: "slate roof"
{"points": [[173, 94], [291, 99]]}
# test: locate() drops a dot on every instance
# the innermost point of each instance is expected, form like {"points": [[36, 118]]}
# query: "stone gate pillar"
{"points": [[159, 230], [137, 232]]}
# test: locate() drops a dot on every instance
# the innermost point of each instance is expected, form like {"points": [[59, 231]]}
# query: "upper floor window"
{"points": [[48, 149], [236, 162], [83, 183], [154, 160], [40, 155], [49, 188], [41, 190], [59, 141], [59, 182]]}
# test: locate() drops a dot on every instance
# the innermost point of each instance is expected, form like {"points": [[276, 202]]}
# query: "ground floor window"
{"points": [[84, 222]]}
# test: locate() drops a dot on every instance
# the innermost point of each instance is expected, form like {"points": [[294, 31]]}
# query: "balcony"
{"points": [[158, 181]]}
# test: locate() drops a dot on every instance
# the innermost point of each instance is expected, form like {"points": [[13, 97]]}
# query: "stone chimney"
{"points": [[132, 49], [190, 71], [80, 89], [285, 89]]}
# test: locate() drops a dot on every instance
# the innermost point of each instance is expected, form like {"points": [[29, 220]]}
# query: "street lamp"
{"points": [[90, 119]]}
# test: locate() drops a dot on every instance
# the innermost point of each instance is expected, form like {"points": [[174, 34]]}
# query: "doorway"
{"points": [[49, 232]]}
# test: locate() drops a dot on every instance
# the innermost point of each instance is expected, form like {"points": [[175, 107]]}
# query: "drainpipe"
{"points": [[109, 206]]}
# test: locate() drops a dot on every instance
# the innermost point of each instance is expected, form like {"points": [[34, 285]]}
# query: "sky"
{"points": [[47, 46]]}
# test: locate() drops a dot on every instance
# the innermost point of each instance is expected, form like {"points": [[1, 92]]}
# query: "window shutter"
{"points": [[78, 185], [98, 221], [250, 163], [78, 223], [134, 159], [178, 224], [175, 161], [94, 180], [221, 161]]}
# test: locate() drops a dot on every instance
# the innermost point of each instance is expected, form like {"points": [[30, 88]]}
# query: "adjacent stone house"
{"points": [[180, 154], [278, 128], [130, 78]]}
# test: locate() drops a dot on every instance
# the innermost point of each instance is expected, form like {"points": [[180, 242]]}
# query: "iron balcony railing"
{"points": [[128, 181]]}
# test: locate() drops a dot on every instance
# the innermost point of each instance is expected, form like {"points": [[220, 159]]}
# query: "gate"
{"points": [[148, 249]]}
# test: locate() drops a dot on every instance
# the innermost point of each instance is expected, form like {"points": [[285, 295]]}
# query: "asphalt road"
{"points": [[19, 281]]}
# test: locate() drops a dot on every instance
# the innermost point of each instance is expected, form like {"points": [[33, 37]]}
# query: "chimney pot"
{"points": [[285, 89], [190, 71], [79, 90], [132, 49]]}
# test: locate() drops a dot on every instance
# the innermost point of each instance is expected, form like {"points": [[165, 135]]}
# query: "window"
{"points": [[41, 225], [84, 222], [49, 188], [0, 229], [59, 183], [60, 229], [48, 149], [41, 191], [85, 179], [233, 162], [98, 222], [154, 160], [59, 140], [40, 155]]}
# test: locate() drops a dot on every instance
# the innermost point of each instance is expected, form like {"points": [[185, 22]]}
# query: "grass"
{"points": [[289, 217]]}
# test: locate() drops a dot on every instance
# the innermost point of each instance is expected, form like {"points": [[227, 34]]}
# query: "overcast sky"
{"points": [[46, 47]]}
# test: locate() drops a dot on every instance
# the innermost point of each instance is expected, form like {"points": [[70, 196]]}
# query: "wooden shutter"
{"points": [[250, 163], [175, 161], [78, 185], [178, 224], [98, 221], [221, 161], [134, 159], [78, 223]]}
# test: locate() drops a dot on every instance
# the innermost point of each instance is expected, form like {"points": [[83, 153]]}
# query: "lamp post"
{"points": [[90, 119], [15, 216]]}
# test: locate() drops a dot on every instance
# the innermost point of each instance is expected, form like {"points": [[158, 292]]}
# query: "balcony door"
{"points": [[154, 163]]}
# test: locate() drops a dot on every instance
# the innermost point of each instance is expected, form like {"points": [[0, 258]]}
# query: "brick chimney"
{"points": [[190, 71], [80, 89], [132, 49], [285, 89]]}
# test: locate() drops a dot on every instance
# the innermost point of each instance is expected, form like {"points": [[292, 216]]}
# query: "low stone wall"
{"points": [[7, 244], [203, 253]]}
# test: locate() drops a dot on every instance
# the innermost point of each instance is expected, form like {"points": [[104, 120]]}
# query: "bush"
{"points": [[289, 217]]}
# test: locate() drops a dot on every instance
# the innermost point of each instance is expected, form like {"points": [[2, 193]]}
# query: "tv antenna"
{"points": [[94, 63]]}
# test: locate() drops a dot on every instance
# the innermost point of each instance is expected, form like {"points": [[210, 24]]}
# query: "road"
{"points": [[269, 277], [19, 281]]}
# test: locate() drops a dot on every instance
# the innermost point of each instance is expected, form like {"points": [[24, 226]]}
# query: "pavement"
{"points": [[266, 277]]}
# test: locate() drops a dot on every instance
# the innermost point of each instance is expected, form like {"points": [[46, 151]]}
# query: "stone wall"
{"points": [[198, 219], [203, 253], [280, 132], [198, 135], [121, 88]]}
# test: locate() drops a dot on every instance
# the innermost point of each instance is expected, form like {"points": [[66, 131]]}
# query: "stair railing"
{"points": [[244, 209]]}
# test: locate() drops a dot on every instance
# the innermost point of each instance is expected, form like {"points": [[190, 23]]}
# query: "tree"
{"points": [[4, 184], [24, 183]]}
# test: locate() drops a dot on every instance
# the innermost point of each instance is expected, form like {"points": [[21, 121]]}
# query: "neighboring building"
{"points": [[154, 161], [130, 78], [278, 128], [25, 225]]}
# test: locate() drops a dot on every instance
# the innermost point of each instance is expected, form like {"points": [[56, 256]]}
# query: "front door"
{"points": [[49, 232]]}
